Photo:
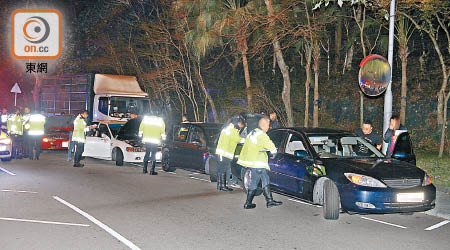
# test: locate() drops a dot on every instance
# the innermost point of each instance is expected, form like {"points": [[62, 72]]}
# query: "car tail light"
{"points": [[45, 139]]}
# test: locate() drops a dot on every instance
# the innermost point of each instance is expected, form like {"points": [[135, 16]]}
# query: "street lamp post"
{"points": [[388, 94]]}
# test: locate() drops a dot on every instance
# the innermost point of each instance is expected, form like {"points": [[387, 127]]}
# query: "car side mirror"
{"points": [[301, 153]]}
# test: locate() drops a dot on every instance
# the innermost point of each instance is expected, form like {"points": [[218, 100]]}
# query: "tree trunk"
{"points": [[286, 93], [308, 52], [337, 44], [316, 66], [247, 82], [403, 52], [444, 126]]}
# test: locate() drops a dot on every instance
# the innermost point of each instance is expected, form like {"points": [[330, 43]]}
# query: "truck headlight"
{"points": [[426, 180], [364, 180]]}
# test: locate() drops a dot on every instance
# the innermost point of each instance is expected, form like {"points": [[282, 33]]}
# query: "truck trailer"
{"points": [[106, 97]]}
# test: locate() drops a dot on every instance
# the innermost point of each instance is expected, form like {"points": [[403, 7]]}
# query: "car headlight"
{"points": [[364, 180], [130, 149], [426, 180], [5, 141], [45, 139], [158, 155]]}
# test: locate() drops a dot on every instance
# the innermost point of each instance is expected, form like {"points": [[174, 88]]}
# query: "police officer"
{"points": [[4, 118], [15, 129], [27, 143], [152, 130], [79, 137], [35, 124], [253, 156], [228, 140]]}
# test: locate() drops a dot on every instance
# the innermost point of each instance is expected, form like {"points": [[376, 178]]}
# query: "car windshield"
{"points": [[343, 146], [212, 134]]}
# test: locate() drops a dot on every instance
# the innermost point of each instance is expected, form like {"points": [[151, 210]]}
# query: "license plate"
{"points": [[65, 144], [410, 197]]}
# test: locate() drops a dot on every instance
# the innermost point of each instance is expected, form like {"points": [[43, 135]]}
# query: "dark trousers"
{"points": [[224, 165], [149, 148], [257, 175], [34, 143], [17, 145], [27, 147], [79, 149]]}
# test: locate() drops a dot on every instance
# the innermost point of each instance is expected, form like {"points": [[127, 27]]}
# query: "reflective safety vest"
{"points": [[79, 127], [4, 118], [253, 153], [36, 123], [228, 140], [14, 124], [25, 119], [152, 130]]}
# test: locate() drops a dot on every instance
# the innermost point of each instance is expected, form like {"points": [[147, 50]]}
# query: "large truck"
{"points": [[106, 97]]}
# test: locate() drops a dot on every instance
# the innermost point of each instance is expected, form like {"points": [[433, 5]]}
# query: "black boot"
{"points": [[144, 168], [152, 171], [269, 200], [248, 203], [219, 182], [224, 183]]}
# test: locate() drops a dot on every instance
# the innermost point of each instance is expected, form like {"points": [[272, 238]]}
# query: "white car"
{"points": [[116, 141], [5, 147]]}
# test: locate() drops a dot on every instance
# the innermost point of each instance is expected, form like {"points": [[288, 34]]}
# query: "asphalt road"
{"points": [[48, 204]]}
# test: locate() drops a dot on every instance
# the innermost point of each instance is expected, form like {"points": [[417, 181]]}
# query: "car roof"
{"points": [[309, 131]]}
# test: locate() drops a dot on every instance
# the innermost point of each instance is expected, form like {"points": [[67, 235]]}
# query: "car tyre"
{"points": [[330, 201], [246, 176], [119, 157], [6, 159], [213, 165], [165, 161]]}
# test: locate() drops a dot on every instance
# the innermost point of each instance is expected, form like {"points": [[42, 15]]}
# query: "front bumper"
{"points": [[384, 200], [138, 157]]}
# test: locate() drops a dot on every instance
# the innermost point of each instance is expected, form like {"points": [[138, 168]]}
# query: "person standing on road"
{"points": [[79, 138], [36, 125], [367, 133], [27, 148], [4, 118], [228, 140], [273, 120], [390, 137], [15, 129], [254, 156], [152, 130]]}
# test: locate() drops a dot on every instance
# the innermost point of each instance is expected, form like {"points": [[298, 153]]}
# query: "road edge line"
{"points": [[116, 235], [44, 222], [6, 171]]}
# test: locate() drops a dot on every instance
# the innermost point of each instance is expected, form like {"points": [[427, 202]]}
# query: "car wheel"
{"points": [[165, 161], [246, 175], [119, 157], [330, 201], [212, 170], [6, 159]]}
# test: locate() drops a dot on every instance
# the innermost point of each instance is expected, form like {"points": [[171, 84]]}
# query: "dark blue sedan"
{"points": [[342, 171]]}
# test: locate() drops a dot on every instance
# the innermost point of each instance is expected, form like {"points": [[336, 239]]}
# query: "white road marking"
{"points": [[6, 171], [383, 222], [17, 191], [171, 172], [45, 222], [194, 173], [440, 224], [302, 202], [200, 179], [116, 235]]}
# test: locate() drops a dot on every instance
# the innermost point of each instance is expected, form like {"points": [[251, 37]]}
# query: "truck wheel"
{"points": [[119, 157], [165, 161], [246, 177], [212, 170], [330, 201]]}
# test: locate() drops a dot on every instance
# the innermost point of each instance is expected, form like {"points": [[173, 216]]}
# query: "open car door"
{"points": [[403, 149]]}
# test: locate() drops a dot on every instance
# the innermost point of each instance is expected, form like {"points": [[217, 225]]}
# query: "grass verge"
{"points": [[437, 168]]}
